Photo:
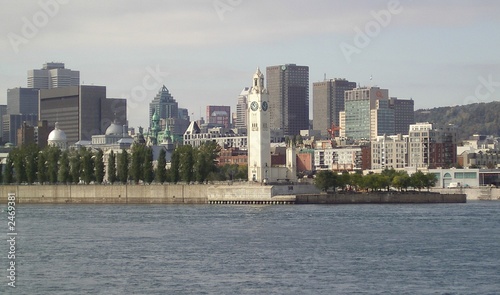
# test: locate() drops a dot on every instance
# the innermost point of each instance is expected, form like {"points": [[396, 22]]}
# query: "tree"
{"points": [[19, 165], [148, 165], [186, 162], [401, 180], [122, 171], [75, 167], [429, 180], [41, 173], [418, 180], [326, 179], [112, 167], [7, 175], [99, 166], [63, 176], [87, 165], [53, 154], [137, 162], [173, 172], [30, 153], [161, 170]]}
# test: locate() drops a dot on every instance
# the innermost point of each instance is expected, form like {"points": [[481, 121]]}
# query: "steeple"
{"points": [[258, 82]]}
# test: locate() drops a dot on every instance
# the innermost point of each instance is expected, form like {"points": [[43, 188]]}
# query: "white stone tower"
{"points": [[259, 134]]}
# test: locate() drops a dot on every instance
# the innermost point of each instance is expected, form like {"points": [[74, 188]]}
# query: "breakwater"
{"points": [[380, 198], [237, 193]]}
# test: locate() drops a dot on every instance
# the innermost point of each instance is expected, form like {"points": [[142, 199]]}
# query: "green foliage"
{"points": [[41, 173], [418, 180], [477, 118], [52, 159], [99, 166], [148, 165], [8, 173], [75, 166], [205, 160], [401, 180], [87, 165], [112, 167], [63, 176], [30, 153], [326, 179], [186, 162], [173, 173], [161, 171], [122, 171], [137, 156]]}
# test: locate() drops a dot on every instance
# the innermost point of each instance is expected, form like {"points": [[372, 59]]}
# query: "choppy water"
{"points": [[211, 249]]}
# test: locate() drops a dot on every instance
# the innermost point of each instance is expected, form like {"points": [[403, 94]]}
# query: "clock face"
{"points": [[254, 105], [283, 67], [264, 105]]}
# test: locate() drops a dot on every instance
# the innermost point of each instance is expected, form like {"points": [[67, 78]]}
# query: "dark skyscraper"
{"points": [[288, 87], [328, 101]]}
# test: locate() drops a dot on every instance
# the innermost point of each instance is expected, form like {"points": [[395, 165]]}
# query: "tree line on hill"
{"points": [[29, 164], [477, 118], [329, 180]]}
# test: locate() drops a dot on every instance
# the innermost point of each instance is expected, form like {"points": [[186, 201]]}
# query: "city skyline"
{"points": [[437, 54]]}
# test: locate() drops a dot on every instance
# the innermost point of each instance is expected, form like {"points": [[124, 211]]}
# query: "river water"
{"points": [[280, 249]]}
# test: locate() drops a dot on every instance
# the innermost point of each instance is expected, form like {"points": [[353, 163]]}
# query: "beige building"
{"points": [[389, 152]]}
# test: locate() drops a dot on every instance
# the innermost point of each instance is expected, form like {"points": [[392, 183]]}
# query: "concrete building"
{"points": [[82, 111], [404, 114], [288, 87], [224, 137], [328, 101], [12, 122], [3, 111], [348, 158], [53, 75], [219, 116], [431, 146], [22, 101], [367, 114], [241, 109], [389, 152]]}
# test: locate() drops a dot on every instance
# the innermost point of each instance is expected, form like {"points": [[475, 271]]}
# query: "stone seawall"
{"points": [[380, 198], [106, 194]]}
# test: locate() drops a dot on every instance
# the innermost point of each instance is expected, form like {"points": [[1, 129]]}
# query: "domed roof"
{"points": [[114, 129], [57, 134]]}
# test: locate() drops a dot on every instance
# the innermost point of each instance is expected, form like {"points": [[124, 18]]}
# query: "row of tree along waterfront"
{"points": [[389, 178], [28, 164]]}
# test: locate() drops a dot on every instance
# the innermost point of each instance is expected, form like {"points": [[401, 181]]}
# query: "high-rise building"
{"points": [[432, 146], [3, 111], [171, 116], [219, 116], [22, 101], [164, 105], [367, 114], [53, 75], [404, 114], [389, 152], [288, 87], [12, 122], [241, 109], [328, 101], [82, 111]]}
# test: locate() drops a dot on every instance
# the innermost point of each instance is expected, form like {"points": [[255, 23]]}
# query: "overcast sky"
{"points": [[437, 52]]}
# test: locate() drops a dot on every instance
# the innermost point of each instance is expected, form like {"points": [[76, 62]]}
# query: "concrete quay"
{"points": [[241, 193]]}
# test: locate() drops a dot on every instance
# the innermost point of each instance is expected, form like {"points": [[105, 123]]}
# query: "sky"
{"points": [[438, 53]]}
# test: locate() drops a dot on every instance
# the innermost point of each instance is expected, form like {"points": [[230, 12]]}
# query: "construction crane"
{"points": [[332, 130]]}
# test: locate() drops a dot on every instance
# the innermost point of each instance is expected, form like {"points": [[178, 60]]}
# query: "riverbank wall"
{"points": [[223, 193], [381, 198]]}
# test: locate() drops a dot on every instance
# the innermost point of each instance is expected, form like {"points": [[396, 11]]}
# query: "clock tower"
{"points": [[259, 134]]}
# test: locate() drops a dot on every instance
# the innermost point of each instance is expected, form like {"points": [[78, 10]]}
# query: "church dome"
{"points": [[57, 134], [114, 129]]}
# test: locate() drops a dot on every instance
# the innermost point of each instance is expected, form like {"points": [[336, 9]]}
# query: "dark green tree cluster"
{"points": [[28, 164], [326, 180]]}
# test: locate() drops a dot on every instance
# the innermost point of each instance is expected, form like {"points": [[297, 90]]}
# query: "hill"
{"points": [[477, 118]]}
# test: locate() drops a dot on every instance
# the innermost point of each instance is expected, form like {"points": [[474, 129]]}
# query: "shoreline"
{"points": [[227, 193]]}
